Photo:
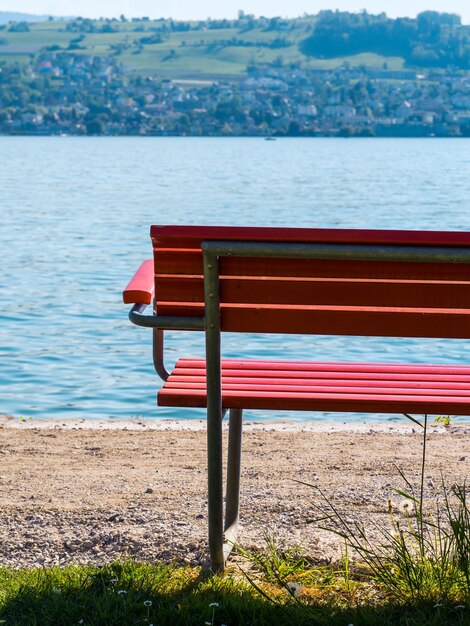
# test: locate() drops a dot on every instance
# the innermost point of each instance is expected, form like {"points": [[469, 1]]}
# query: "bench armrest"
{"points": [[141, 288], [141, 291]]}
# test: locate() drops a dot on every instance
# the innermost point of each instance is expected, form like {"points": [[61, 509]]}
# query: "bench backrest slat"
{"points": [[384, 298], [320, 291], [189, 262]]}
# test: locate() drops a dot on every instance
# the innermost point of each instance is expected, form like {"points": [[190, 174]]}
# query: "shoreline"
{"points": [[195, 425]]}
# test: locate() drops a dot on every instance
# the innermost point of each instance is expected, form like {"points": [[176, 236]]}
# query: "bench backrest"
{"points": [[339, 297]]}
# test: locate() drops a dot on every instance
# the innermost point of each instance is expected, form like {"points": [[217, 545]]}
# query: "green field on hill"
{"points": [[198, 53]]}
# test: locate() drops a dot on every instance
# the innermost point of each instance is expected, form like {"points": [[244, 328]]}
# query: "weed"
{"points": [[445, 420], [423, 556]]}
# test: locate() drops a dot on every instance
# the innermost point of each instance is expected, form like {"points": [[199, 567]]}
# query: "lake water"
{"points": [[75, 216]]}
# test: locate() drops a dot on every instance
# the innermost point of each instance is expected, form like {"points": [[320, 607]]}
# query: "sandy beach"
{"points": [[94, 491]]}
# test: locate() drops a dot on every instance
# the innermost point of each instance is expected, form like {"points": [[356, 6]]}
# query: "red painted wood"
{"points": [[141, 288], [328, 366], [344, 402], [177, 261], [230, 382], [191, 236], [293, 290], [334, 297], [189, 262], [360, 298], [358, 374], [316, 297], [334, 320], [386, 388], [383, 389], [298, 369]]}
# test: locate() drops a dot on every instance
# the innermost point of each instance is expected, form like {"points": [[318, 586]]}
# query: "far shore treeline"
{"points": [[331, 74]]}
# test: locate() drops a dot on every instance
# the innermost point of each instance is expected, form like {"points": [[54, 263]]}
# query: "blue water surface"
{"points": [[75, 216]]}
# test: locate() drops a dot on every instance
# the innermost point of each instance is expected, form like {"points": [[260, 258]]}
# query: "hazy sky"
{"points": [[201, 9]]}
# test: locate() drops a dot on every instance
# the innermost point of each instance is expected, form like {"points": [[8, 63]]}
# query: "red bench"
{"points": [[305, 281]]}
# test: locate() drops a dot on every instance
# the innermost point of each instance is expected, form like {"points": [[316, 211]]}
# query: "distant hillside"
{"points": [[8, 16], [228, 48]]}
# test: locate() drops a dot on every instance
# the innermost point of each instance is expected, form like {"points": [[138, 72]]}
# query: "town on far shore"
{"points": [[79, 89]]}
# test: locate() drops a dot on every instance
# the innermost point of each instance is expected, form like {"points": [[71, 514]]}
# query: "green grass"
{"points": [[231, 61], [280, 588], [38, 38], [184, 66], [128, 593]]}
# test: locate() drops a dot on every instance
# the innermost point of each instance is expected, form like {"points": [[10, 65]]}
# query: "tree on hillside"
{"points": [[19, 27], [432, 39], [433, 17]]}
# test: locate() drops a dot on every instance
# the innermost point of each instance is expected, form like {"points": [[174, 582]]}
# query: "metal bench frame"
{"points": [[222, 535]]}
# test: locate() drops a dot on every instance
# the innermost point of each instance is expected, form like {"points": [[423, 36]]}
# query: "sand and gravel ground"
{"points": [[97, 491]]}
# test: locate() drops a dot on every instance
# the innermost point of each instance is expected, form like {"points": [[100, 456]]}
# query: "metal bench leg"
{"points": [[218, 550], [232, 500], [215, 489], [214, 414]]}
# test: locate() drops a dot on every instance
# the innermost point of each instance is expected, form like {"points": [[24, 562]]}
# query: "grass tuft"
{"points": [[424, 555]]}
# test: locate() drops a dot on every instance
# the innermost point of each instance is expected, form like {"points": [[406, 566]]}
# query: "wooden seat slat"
{"points": [[330, 366], [232, 382], [357, 376], [346, 402], [313, 388]]}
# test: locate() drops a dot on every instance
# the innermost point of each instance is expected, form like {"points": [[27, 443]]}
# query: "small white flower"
{"points": [[208, 623], [147, 602], [122, 591], [294, 588], [113, 580], [216, 604], [57, 590], [405, 507], [459, 607]]}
